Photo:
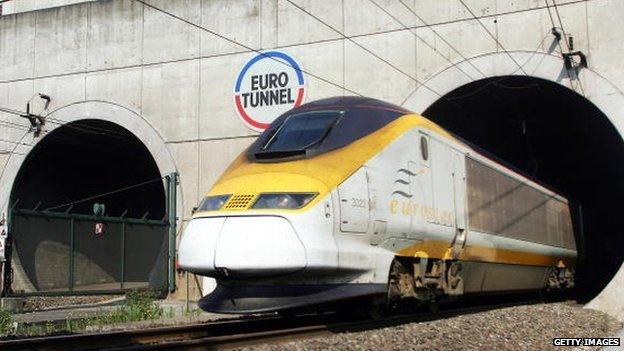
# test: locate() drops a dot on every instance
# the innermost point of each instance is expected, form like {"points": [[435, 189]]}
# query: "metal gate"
{"points": [[56, 253]]}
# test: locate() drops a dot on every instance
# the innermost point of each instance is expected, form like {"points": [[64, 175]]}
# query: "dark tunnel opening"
{"points": [[67, 171], [558, 137], [87, 158]]}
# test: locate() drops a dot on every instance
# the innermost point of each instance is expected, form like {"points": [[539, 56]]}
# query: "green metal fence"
{"points": [[57, 253]]}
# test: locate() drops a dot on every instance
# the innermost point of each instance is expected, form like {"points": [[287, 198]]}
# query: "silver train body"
{"points": [[351, 197]]}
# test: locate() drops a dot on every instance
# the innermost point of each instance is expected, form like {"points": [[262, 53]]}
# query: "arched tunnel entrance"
{"points": [[554, 135], [57, 244], [87, 158]]}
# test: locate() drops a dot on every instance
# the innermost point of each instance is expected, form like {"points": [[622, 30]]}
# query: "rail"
{"points": [[234, 332]]}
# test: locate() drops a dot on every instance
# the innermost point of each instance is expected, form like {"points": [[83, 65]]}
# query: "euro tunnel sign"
{"points": [[268, 85]]}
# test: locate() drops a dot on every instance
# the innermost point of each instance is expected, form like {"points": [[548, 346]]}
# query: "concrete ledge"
{"points": [[12, 304]]}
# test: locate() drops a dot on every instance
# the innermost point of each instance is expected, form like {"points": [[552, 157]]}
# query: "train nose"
{"points": [[198, 243], [241, 246]]}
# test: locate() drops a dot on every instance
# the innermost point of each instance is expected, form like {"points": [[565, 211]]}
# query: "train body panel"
{"points": [[405, 202]]}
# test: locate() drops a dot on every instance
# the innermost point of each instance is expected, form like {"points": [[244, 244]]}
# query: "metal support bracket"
{"points": [[36, 121], [570, 62]]}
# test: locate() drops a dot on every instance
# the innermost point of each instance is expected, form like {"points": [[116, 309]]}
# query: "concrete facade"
{"points": [[11, 7], [174, 82]]}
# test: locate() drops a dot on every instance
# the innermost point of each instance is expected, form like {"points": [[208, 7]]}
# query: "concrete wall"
{"points": [[17, 6], [180, 79]]}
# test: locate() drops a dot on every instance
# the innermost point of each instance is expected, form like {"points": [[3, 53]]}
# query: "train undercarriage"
{"points": [[428, 280]]}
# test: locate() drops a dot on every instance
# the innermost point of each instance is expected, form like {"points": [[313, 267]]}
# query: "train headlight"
{"points": [[283, 200], [213, 203]]}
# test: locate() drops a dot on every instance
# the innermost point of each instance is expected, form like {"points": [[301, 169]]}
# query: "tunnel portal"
{"points": [[556, 136], [63, 239]]}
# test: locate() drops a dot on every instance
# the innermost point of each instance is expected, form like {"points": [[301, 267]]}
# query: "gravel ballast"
{"points": [[529, 327]]}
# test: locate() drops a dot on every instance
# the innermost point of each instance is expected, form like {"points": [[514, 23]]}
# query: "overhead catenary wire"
{"points": [[230, 40], [16, 145], [492, 36], [565, 40], [74, 125], [563, 36], [10, 152], [365, 48], [432, 28], [16, 153], [494, 81], [86, 128], [11, 111], [57, 121], [434, 49], [554, 26], [552, 20], [413, 32], [560, 23], [66, 124], [499, 80], [14, 126], [438, 23], [93, 197], [13, 142], [11, 125]]}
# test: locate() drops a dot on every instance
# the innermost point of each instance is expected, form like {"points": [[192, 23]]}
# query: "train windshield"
{"points": [[303, 130], [321, 126]]}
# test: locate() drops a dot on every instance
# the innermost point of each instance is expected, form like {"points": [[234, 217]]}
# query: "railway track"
{"points": [[233, 333]]}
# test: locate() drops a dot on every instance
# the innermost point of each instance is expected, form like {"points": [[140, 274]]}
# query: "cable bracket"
{"points": [[36, 121], [571, 62]]}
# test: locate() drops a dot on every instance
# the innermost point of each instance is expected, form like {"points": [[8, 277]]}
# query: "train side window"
{"points": [[424, 148]]}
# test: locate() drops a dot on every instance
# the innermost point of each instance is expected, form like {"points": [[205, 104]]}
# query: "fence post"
{"points": [[123, 254], [7, 277], [71, 254], [172, 181]]}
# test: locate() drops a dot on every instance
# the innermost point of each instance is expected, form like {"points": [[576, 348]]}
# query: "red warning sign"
{"points": [[99, 228]]}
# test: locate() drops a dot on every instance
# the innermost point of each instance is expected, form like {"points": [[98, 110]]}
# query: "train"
{"points": [[355, 199]]}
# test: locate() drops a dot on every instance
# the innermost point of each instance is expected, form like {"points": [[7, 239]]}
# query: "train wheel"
{"points": [[433, 306], [377, 308], [365, 308]]}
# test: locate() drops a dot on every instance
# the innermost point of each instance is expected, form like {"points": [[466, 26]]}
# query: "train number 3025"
{"points": [[361, 203]]}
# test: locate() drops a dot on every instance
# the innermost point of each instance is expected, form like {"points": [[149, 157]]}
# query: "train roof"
{"points": [[341, 121], [350, 102]]}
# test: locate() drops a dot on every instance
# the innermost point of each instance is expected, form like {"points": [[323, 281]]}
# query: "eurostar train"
{"points": [[349, 197]]}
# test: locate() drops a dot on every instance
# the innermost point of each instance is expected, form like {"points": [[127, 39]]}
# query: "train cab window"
{"points": [[322, 126], [424, 148], [300, 131]]}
